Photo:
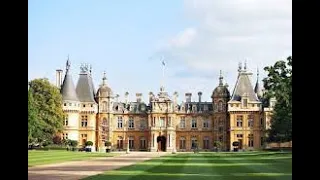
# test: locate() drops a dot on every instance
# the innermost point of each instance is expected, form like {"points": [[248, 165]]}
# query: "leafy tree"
{"points": [[278, 84], [47, 101], [34, 125]]}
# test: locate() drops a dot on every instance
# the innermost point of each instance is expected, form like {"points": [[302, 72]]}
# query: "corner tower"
{"points": [[104, 99], [220, 97], [88, 107], [70, 106], [245, 110]]}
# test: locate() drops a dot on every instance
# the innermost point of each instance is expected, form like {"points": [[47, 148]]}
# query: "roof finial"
{"points": [[245, 64], [240, 67], [220, 79], [257, 73], [104, 78], [90, 69], [68, 64]]}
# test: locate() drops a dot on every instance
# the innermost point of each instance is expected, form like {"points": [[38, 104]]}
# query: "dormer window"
{"points": [[205, 107], [194, 108], [84, 105], [91, 105], [244, 102], [65, 104]]}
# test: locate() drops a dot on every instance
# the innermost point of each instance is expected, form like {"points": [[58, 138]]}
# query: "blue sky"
{"points": [[197, 39]]}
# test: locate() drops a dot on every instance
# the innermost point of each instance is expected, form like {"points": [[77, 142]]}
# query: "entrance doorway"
{"points": [[162, 141]]}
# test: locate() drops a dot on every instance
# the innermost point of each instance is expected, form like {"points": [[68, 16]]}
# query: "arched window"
{"points": [[104, 106], [105, 121]]}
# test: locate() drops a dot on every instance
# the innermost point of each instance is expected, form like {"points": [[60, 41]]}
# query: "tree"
{"points": [[47, 101], [34, 125], [278, 84]]}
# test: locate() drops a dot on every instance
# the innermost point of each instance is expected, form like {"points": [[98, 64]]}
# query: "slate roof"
{"points": [[243, 85], [84, 89], [67, 89]]}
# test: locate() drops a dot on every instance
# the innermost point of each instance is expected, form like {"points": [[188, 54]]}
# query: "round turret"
{"points": [[222, 90], [104, 90]]}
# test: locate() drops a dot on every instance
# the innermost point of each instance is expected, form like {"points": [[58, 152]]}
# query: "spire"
{"points": [[244, 87], [220, 79], [85, 89], [67, 89], [68, 64]]}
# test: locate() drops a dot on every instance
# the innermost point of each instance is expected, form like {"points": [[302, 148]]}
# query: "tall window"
{"points": [[220, 129], [131, 122], [250, 120], [182, 143], [220, 108], [66, 120], [154, 122], [143, 144], [131, 142], [206, 143], [182, 122], [193, 142], [162, 122], [104, 122], [169, 122], [194, 123], [120, 123], [206, 123], [261, 141], [120, 142], [239, 120], [104, 106], [84, 121], [221, 138], [250, 136]]}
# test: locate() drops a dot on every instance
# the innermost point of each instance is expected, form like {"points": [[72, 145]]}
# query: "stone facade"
{"points": [[163, 124]]}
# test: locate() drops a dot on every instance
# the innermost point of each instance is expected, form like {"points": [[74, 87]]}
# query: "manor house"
{"points": [[163, 124]]}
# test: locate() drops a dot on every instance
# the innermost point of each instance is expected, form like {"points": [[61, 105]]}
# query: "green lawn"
{"points": [[216, 166], [55, 156]]}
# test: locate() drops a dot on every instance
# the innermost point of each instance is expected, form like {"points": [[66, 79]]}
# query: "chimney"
{"points": [[188, 97], [59, 78], [126, 97], [200, 94], [138, 96]]}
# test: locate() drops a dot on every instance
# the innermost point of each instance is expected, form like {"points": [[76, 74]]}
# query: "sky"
{"points": [[127, 40]]}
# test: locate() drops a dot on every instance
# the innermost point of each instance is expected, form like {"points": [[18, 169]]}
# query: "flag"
{"points": [[163, 63]]}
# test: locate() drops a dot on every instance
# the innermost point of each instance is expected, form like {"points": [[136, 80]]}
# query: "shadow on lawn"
{"points": [[192, 177]]}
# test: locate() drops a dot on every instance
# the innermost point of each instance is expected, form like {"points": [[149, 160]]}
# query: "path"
{"points": [[75, 170]]}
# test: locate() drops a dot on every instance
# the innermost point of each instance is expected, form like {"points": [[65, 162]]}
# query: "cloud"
{"points": [[228, 32]]}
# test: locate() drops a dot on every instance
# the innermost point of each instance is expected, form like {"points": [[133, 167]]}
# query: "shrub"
{"points": [[73, 143], [235, 143], [107, 143], [89, 143]]}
